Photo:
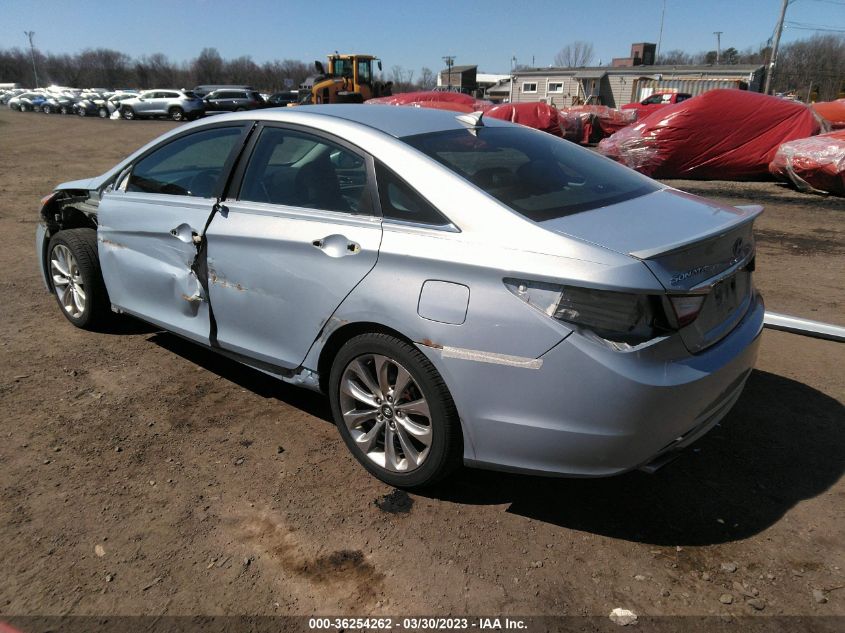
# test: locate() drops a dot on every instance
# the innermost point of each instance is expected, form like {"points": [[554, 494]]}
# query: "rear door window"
{"points": [[294, 168]]}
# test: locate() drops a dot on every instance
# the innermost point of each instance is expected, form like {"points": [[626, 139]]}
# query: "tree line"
{"points": [[107, 68]]}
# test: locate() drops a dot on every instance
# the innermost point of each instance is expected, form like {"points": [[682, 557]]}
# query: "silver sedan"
{"points": [[464, 290]]}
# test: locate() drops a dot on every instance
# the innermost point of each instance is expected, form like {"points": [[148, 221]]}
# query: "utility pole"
{"points": [[30, 35], [773, 57], [513, 65], [660, 36], [450, 60], [718, 35]]}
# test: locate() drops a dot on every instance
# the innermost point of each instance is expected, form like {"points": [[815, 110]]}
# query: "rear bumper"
{"points": [[590, 411]]}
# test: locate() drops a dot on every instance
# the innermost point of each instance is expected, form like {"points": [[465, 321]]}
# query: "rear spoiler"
{"points": [[749, 213]]}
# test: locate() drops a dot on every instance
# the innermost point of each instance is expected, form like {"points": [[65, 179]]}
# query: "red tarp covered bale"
{"points": [[601, 121], [813, 164], [832, 111], [721, 135], [540, 116], [452, 106], [424, 97]]}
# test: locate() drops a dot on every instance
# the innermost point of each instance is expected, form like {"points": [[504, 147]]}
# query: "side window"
{"points": [[400, 202], [188, 166], [297, 169]]}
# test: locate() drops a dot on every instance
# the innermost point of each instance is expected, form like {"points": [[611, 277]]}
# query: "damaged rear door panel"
{"points": [[300, 233], [150, 227]]}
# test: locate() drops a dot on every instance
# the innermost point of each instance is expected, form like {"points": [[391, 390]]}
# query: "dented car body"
{"points": [[579, 318]]}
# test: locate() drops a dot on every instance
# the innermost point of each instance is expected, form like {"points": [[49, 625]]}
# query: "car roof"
{"points": [[396, 121]]}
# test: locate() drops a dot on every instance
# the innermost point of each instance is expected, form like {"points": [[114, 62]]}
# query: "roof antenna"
{"points": [[472, 120]]}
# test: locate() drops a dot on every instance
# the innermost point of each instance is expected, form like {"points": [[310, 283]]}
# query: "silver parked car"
{"points": [[462, 289], [179, 105]]}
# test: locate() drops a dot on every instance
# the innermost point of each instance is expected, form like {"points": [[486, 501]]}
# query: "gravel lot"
{"points": [[142, 475]]}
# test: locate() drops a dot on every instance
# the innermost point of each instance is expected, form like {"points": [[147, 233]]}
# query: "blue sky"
{"points": [[408, 33]]}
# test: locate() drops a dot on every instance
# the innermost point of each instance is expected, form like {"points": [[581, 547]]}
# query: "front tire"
{"points": [[81, 111], [128, 113], [76, 279], [177, 114], [394, 411], [103, 113]]}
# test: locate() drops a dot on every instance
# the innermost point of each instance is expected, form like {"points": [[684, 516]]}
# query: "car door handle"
{"points": [[337, 245]]}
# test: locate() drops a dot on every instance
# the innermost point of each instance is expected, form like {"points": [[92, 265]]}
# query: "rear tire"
{"points": [[177, 113], [103, 113], [423, 429], [81, 111], [76, 279]]}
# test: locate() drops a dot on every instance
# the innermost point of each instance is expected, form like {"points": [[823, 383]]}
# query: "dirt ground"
{"points": [[142, 475]]}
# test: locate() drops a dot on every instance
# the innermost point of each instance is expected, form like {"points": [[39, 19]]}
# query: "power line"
{"points": [[804, 26], [816, 28]]}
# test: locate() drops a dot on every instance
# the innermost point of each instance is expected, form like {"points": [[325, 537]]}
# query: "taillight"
{"points": [[623, 319], [687, 307]]}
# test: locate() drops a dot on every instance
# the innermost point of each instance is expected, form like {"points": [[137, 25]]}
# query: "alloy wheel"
{"points": [[67, 280], [386, 412]]}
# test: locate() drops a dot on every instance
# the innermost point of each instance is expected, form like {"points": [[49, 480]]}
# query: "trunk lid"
{"points": [[692, 245]]}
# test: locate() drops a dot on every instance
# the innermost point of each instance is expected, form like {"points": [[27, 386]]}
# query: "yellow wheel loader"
{"points": [[349, 79]]}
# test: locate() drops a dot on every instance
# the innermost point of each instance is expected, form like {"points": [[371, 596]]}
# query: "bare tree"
{"points": [[674, 57], [403, 80], [157, 70], [812, 67], [574, 55], [427, 79], [208, 67]]}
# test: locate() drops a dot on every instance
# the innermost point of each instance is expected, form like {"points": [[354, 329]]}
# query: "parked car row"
{"points": [[176, 104], [66, 101]]}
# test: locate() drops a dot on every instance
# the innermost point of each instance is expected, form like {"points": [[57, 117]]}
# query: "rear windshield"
{"points": [[541, 176]]}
